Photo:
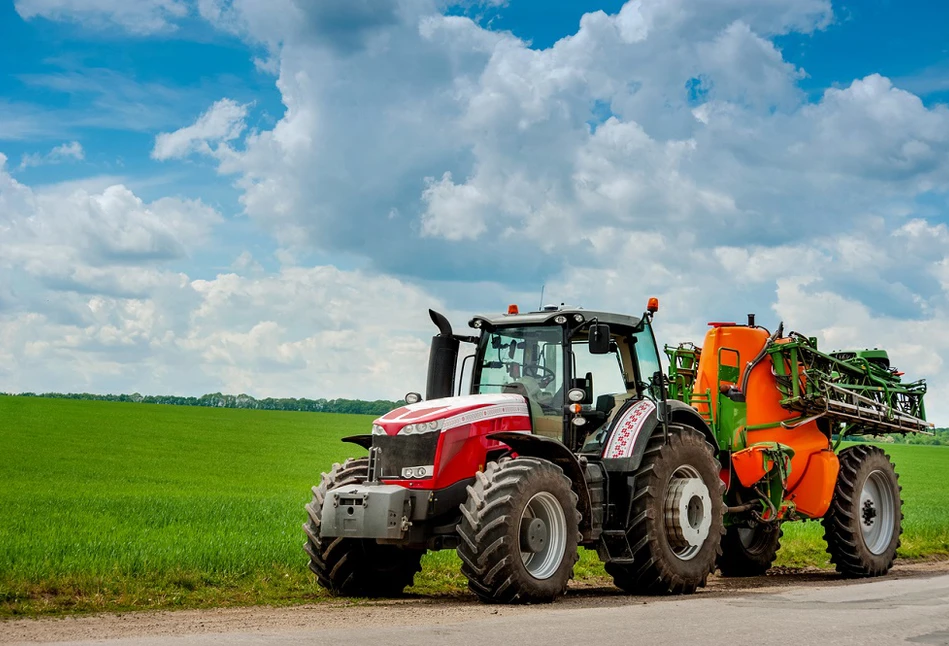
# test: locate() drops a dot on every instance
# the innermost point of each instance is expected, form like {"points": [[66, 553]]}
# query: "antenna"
{"points": [[541, 306]]}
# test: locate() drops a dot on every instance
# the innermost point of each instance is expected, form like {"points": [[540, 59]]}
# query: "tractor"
{"points": [[571, 435]]}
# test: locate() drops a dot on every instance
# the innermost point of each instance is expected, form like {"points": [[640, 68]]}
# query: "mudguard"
{"points": [[538, 446], [365, 441], [626, 437]]}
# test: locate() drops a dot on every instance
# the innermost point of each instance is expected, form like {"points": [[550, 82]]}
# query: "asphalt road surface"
{"points": [[909, 610]]}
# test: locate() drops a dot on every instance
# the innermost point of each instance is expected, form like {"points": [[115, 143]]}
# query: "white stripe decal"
{"points": [[627, 430], [488, 412]]}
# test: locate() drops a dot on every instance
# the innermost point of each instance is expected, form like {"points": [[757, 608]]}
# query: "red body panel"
{"points": [[466, 423]]}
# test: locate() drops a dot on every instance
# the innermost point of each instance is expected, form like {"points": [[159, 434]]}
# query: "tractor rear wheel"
{"points": [[519, 532], [355, 567], [863, 525], [677, 517], [749, 550]]}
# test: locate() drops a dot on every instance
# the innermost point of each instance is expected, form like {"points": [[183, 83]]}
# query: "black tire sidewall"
{"points": [[877, 461], [739, 560], [371, 569], [692, 450], [489, 531], [546, 480]]}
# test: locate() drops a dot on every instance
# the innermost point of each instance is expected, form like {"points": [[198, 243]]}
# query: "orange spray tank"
{"points": [[738, 393]]}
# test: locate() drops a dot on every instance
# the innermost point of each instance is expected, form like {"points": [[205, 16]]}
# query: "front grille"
{"points": [[399, 451]]}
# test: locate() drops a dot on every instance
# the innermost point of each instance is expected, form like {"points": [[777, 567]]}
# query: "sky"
{"points": [[266, 196]]}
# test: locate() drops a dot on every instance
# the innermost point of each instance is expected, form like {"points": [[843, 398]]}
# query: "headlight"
{"points": [[560, 319], [378, 430], [411, 473], [421, 427]]}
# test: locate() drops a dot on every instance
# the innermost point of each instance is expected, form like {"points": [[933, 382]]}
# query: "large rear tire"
{"points": [[519, 532], [749, 551], [355, 567], [865, 520], [677, 517]]}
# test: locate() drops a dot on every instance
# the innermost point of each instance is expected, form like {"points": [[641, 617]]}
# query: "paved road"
{"points": [[882, 612]]}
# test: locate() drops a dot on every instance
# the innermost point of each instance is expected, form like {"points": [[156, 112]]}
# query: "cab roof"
{"points": [[551, 312]]}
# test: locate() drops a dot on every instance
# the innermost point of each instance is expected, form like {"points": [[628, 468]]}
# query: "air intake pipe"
{"points": [[442, 360]]}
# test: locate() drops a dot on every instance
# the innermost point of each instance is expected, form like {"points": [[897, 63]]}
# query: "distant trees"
{"points": [[219, 400], [940, 437]]}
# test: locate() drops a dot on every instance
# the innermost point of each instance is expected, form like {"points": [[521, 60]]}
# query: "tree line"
{"points": [[939, 437], [219, 400]]}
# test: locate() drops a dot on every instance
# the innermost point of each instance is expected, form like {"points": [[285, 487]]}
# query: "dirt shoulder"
{"points": [[408, 611]]}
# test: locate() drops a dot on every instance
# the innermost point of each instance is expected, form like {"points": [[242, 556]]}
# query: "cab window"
{"points": [[648, 358], [606, 369]]}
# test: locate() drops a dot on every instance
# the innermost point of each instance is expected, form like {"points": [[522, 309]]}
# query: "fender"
{"points": [[538, 446], [636, 422], [365, 441]]}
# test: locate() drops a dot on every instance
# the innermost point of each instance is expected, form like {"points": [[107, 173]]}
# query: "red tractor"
{"points": [[569, 437]]}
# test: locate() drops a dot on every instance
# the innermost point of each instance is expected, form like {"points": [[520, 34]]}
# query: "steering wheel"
{"points": [[543, 374]]}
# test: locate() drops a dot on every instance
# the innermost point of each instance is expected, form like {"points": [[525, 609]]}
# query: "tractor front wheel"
{"points": [[865, 519], [677, 516], [519, 532], [749, 550], [355, 567]]}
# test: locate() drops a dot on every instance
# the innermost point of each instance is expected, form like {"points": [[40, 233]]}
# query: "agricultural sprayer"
{"points": [[571, 435]]}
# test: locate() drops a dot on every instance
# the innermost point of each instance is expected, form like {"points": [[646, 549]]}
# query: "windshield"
{"points": [[525, 360]]}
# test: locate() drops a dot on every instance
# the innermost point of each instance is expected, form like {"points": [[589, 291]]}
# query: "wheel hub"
{"points": [[869, 512], [533, 536], [688, 514]]}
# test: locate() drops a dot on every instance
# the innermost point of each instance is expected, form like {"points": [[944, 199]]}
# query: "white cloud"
{"points": [[136, 16], [71, 151], [221, 123], [94, 241], [668, 149], [93, 298]]}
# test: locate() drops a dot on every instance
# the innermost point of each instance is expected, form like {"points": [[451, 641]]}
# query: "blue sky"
{"points": [[162, 80], [266, 196]]}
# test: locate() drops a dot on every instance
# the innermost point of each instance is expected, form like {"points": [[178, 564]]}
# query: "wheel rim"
{"points": [[876, 513], [746, 536], [688, 512], [543, 535]]}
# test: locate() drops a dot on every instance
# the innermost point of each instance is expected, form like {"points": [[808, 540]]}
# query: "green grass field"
{"points": [[111, 506]]}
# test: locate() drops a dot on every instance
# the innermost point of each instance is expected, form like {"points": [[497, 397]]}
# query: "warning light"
{"points": [[512, 309], [652, 306]]}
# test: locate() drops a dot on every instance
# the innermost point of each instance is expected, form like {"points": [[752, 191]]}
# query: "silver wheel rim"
{"points": [[746, 536], [687, 511], [876, 512], [544, 563]]}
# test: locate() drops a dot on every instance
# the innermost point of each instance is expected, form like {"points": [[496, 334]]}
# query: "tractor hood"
{"points": [[452, 412]]}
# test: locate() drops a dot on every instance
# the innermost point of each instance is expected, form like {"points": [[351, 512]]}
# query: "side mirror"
{"points": [[599, 338]]}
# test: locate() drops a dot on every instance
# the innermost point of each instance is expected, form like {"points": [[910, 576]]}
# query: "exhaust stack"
{"points": [[442, 360]]}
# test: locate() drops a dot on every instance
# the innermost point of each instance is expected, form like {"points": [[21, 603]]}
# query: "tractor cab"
{"points": [[576, 368]]}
